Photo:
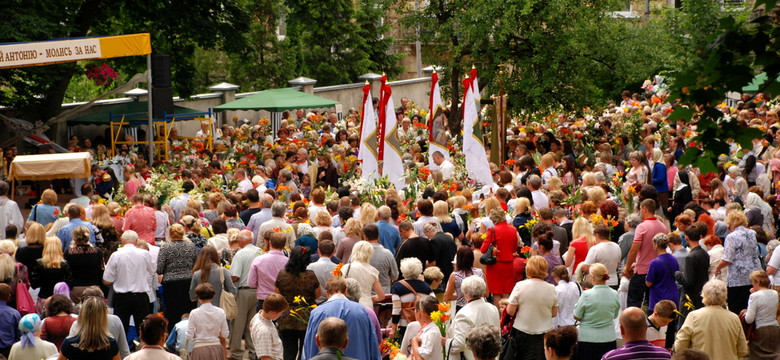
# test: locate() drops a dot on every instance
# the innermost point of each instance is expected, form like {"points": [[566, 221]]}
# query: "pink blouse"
{"points": [[141, 219]]}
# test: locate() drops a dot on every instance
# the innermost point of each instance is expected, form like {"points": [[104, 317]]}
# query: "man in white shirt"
{"points": [[302, 160], [277, 222], [9, 211], [440, 163], [323, 267], [128, 270], [244, 184], [246, 300], [540, 199]]}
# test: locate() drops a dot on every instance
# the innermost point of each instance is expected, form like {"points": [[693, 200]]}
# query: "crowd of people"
{"points": [[599, 249]]}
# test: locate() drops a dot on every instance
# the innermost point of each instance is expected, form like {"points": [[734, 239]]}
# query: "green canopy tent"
{"points": [[276, 101], [136, 110]]}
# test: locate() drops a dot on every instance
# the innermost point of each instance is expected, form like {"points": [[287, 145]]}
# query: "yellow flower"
{"points": [[313, 306], [435, 316], [298, 299]]}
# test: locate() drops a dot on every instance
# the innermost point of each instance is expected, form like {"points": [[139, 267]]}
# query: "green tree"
{"points": [[177, 27], [741, 49], [336, 41]]}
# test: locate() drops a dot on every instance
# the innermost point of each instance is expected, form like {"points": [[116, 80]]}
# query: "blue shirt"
{"points": [[363, 343], [65, 232], [9, 329], [389, 236], [661, 274], [44, 214], [307, 241], [256, 220]]}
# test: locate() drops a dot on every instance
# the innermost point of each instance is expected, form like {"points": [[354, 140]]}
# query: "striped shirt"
{"points": [[641, 349]]}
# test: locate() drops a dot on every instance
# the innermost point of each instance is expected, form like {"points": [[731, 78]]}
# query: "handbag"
{"points": [[751, 333], [407, 309], [488, 258], [24, 302], [227, 301]]}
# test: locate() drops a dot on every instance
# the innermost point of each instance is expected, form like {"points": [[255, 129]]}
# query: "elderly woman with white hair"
{"points": [[406, 292], [753, 201], [476, 312], [713, 329], [360, 269]]}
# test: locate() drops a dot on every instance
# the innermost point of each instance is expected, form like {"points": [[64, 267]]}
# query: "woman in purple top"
{"points": [[661, 283], [660, 275], [543, 234]]}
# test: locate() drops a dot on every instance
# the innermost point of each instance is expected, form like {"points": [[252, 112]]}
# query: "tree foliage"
{"points": [[738, 51], [177, 27], [554, 54]]}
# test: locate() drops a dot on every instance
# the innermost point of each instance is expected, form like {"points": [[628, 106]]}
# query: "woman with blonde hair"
{"points": [[547, 162], [105, 225], [132, 181], [353, 230], [523, 216], [504, 239], [115, 211], [368, 214], [441, 211], [534, 304], [762, 311], [554, 183], [92, 339], [364, 273], [50, 269], [192, 230], [174, 265], [323, 220], [35, 237], [46, 211], [595, 310], [10, 270], [582, 233]]}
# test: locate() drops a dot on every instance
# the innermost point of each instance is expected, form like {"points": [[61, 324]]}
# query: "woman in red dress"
{"points": [[504, 239]]}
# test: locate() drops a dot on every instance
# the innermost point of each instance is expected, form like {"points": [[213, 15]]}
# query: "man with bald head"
{"points": [[332, 339], [246, 300], [633, 328]]}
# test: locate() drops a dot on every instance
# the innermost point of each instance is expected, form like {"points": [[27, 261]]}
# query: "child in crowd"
{"points": [[664, 313], [264, 333], [207, 328], [177, 340]]}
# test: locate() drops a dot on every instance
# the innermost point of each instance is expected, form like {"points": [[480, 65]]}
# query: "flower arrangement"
{"points": [[303, 309], [526, 251], [390, 349], [101, 74]]}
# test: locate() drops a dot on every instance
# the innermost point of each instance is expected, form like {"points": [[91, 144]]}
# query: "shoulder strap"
{"points": [[406, 284], [221, 277], [35, 212], [665, 265]]}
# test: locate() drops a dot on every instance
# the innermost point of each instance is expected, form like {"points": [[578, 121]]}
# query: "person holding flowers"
{"points": [[427, 344], [298, 286]]}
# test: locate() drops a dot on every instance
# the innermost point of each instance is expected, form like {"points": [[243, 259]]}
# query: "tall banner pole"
{"points": [[150, 130]]}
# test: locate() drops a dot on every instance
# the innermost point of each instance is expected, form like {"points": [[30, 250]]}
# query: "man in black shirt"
{"points": [[697, 264], [443, 250], [413, 245]]}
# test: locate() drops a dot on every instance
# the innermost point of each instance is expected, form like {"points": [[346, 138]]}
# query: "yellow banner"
{"points": [[61, 51]]}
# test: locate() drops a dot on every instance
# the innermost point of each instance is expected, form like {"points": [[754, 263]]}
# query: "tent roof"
{"points": [[277, 100], [101, 117]]}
